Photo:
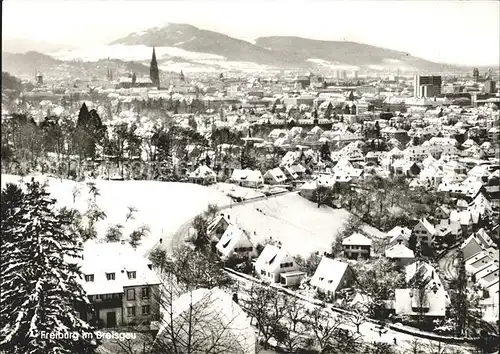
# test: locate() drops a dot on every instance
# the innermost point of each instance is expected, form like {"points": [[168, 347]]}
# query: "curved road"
{"points": [[179, 236], [448, 266]]}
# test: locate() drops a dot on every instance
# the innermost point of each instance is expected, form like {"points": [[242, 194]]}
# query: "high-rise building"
{"points": [[427, 86], [490, 86], [154, 73]]}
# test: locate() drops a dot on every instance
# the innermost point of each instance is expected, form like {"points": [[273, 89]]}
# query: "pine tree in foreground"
{"points": [[39, 285]]}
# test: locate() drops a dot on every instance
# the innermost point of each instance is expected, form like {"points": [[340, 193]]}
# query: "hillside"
{"points": [[291, 52], [25, 65], [10, 82], [193, 39], [164, 206], [337, 53], [28, 63], [22, 45]]}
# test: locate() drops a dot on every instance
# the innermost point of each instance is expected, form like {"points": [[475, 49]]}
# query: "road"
{"points": [[179, 236], [448, 266], [368, 331]]}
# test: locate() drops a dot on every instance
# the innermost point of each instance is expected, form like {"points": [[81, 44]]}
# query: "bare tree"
{"points": [[268, 307], [416, 347], [93, 190], [131, 210], [75, 192], [198, 320], [324, 327], [357, 316], [212, 211]]}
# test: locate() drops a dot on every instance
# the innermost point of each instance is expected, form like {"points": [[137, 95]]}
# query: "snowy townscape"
{"points": [[180, 190]]}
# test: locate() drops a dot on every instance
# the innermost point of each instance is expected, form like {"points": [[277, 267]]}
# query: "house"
{"points": [[331, 276], [400, 254], [442, 212], [425, 232], [411, 302], [357, 246], [247, 178], [235, 243], [275, 176], [220, 322], [290, 173], [203, 175], [120, 284], [399, 235], [464, 218], [274, 262], [218, 226], [425, 295]]}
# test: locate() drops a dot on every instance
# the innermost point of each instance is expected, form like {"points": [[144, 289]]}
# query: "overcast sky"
{"points": [[461, 32]]}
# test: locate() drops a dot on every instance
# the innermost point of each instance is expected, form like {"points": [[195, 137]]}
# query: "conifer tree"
{"points": [[39, 287]]}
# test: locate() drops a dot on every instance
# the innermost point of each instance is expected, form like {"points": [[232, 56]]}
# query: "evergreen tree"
{"points": [[325, 152], [39, 287], [181, 76], [460, 301], [328, 112], [83, 116], [412, 242]]}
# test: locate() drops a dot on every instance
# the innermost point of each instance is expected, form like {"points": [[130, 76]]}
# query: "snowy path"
{"points": [[179, 236], [447, 265]]}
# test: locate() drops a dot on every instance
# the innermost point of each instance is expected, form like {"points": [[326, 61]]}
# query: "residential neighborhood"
{"points": [[176, 196]]}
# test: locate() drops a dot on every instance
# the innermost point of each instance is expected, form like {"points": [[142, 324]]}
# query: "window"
{"points": [[89, 277], [145, 310], [131, 311], [145, 293], [90, 297], [263, 272], [110, 276], [96, 297], [131, 275], [130, 294]]}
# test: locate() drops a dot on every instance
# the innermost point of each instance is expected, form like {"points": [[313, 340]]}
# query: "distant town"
{"points": [[286, 211]]}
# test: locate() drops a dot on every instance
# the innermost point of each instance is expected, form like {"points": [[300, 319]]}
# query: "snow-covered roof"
{"points": [[247, 175], [118, 258], [271, 258], [203, 171], [329, 274], [233, 237], [399, 251], [215, 312], [407, 303], [357, 239]]}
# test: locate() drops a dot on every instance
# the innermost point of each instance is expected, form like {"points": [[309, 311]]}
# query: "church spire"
{"points": [[154, 73]]}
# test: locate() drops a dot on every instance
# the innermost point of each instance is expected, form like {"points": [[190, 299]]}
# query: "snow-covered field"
{"points": [[237, 191], [131, 52], [332, 65], [299, 224], [164, 206]]}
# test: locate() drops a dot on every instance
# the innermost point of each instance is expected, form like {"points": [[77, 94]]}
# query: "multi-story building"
{"points": [[120, 284], [427, 86], [490, 86]]}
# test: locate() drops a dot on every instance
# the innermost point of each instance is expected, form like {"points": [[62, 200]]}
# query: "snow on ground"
{"points": [[299, 224], [131, 52], [332, 65], [164, 206], [237, 191]]}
